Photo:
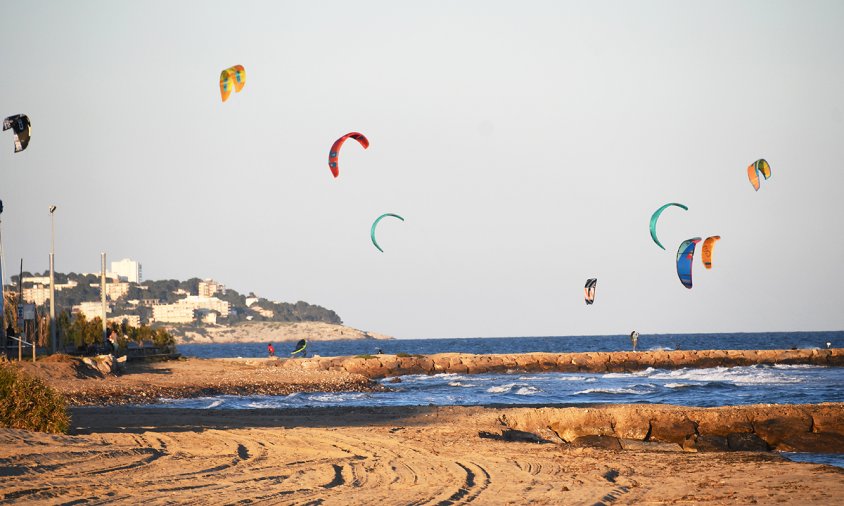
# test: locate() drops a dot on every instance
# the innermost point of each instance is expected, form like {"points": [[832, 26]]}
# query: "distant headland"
{"points": [[252, 332], [193, 311]]}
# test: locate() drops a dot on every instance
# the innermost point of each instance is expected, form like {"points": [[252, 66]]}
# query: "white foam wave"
{"points": [[678, 385], [575, 378], [214, 404], [337, 397], [528, 390], [441, 376], [501, 388], [459, 384], [734, 375], [509, 387], [640, 374], [611, 391]]}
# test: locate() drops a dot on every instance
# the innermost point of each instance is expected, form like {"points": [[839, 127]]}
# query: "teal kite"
{"points": [[655, 217], [375, 224]]}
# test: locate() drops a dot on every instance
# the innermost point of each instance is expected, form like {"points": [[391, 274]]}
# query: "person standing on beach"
{"points": [[270, 350], [634, 338], [112, 342]]}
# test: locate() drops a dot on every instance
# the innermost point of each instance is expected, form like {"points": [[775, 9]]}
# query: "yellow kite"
{"points": [[232, 77], [758, 167]]}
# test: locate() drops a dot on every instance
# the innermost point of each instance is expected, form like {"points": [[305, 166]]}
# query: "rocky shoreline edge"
{"points": [[381, 366], [98, 381]]}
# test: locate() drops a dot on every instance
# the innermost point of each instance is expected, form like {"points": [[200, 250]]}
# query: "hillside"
{"points": [[260, 332]]}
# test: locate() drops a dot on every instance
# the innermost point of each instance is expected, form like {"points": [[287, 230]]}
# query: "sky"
{"points": [[526, 144]]}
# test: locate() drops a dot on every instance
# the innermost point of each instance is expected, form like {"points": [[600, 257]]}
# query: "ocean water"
{"points": [[553, 344], [790, 384], [720, 386]]}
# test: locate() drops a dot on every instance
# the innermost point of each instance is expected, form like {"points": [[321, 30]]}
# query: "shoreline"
{"points": [[381, 366], [86, 382], [138, 383]]}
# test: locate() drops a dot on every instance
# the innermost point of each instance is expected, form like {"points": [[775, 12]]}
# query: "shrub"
{"points": [[27, 403]]}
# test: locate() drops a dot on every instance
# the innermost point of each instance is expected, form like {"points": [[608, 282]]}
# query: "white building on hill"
{"points": [[131, 319], [209, 287], [185, 310], [92, 310], [128, 270]]}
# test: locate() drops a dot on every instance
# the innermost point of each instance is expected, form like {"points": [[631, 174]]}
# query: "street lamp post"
{"points": [[2, 294], [53, 341]]}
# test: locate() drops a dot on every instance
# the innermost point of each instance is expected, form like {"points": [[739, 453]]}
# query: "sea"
{"points": [[717, 386]]}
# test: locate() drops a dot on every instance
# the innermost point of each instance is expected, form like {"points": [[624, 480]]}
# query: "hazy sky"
{"points": [[526, 144]]}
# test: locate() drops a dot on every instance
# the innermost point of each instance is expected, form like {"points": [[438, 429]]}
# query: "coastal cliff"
{"points": [[380, 366]]}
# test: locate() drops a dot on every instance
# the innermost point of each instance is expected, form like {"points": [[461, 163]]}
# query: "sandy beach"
{"points": [[623, 454], [365, 456]]}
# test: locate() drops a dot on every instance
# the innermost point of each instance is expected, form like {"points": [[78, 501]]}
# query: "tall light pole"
{"points": [[2, 293], [53, 341], [103, 295]]}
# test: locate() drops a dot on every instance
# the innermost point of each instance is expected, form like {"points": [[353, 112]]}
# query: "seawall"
{"points": [[381, 366], [803, 428]]}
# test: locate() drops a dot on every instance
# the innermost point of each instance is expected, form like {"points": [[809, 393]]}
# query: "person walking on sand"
{"points": [[634, 338], [270, 350]]}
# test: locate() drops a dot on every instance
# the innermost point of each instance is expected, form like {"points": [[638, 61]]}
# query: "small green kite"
{"points": [[375, 224]]}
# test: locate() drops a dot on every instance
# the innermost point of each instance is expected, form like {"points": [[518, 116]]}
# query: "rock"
{"points": [[672, 428], [631, 424], [774, 429], [573, 423], [605, 442], [745, 442], [820, 442], [710, 443], [722, 423], [827, 418], [649, 446]]}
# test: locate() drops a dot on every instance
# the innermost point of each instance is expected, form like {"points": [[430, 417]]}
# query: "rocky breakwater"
{"points": [[801, 428], [380, 366]]}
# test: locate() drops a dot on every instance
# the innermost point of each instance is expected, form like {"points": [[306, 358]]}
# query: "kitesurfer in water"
{"points": [[301, 347], [634, 338], [270, 350]]}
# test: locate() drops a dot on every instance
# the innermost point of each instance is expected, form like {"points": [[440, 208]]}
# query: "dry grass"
{"points": [[27, 403]]}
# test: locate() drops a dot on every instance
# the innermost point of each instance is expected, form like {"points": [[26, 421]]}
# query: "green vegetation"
{"points": [[365, 357], [83, 332], [27, 403], [406, 355]]}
